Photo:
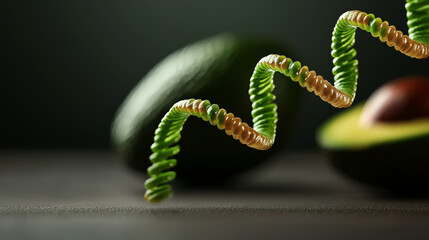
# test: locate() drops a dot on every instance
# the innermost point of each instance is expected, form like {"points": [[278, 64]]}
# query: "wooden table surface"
{"points": [[89, 195]]}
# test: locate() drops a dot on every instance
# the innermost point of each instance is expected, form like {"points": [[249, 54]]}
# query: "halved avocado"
{"points": [[392, 155]]}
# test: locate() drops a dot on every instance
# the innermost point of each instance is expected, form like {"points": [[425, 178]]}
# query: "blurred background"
{"points": [[66, 66]]}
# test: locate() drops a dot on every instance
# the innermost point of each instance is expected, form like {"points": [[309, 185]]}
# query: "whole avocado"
{"points": [[218, 69], [384, 142]]}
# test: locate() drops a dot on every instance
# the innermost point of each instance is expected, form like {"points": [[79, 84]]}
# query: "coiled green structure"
{"points": [[418, 20], [264, 112]]}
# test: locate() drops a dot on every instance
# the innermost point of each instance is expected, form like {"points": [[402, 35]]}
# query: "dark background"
{"points": [[66, 66]]}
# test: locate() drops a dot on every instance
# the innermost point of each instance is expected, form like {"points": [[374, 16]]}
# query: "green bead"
{"points": [[206, 105], [220, 118], [294, 69], [374, 25], [383, 31], [287, 65], [211, 113], [371, 18]]}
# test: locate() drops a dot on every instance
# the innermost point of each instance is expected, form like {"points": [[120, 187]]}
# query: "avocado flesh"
{"points": [[345, 131], [390, 156], [217, 69]]}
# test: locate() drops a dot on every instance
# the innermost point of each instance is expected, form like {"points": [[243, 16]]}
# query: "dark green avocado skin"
{"points": [[217, 69], [402, 167]]}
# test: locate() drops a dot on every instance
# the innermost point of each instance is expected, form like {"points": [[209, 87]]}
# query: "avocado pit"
{"points": [[401, 100]]}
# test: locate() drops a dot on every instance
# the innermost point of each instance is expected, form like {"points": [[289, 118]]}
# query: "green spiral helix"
{"points": [[264, 109], [418, 20]]}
